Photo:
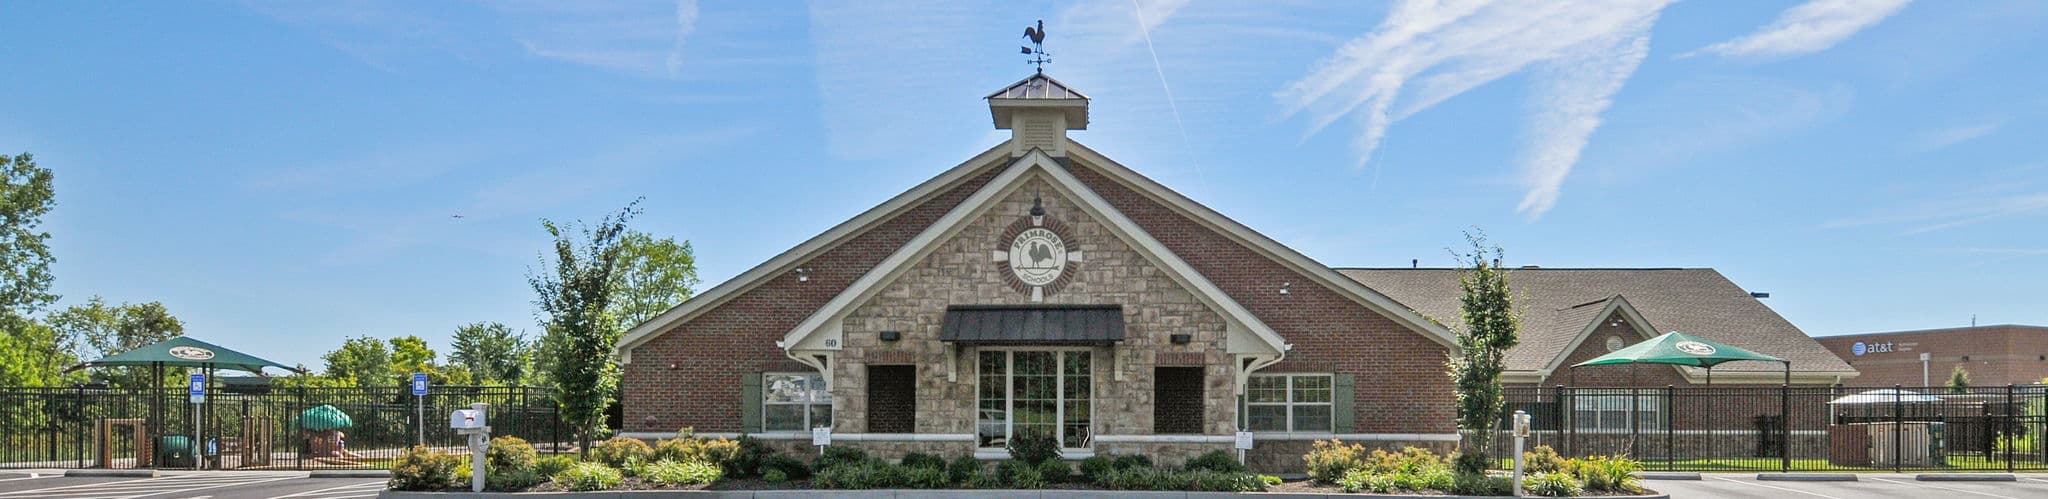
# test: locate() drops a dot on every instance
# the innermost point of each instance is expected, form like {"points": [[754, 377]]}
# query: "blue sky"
{"points": [[282, 175]]}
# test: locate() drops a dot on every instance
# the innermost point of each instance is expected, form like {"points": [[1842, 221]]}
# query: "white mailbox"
{"points": [[466, 419]]}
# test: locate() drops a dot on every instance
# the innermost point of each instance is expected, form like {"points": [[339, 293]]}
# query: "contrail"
{"points": [[1170, 101]]}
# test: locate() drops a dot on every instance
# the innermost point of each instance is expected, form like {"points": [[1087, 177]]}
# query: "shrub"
{"points": [[923, 460], [1032, 448], [1552, 485], [1365, 481], [1270, 480], [1055, 470], [1329, 460], [513, 480], [1216, 460], [621, 452], [1476, 484], [1168, 479], [835, 455], [1542, 459], [748, 461], [550, 465], [926, 477], [962, 469], [1605, 474], [667, 472], [1129, 461], [585, 477], [1438, 478], [1093, 467], [983, 480], [421, 468], [509, 454], [791, 468], [1019, 474], [775, 476], [868, 474]]}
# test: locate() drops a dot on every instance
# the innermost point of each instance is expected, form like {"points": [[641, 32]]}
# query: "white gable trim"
{"points": [[1646, 330], [1643, 328], [1259, 243], [827, 318], [783, 263]]}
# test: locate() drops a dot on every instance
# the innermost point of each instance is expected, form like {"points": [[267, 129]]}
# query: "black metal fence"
{"points": [[253, 427], [1777, 428]]}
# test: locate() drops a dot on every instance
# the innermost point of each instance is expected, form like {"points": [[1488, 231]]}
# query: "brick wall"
{"points": [[1994, 355], [1401, 383], [710, 352], [892, 399]]}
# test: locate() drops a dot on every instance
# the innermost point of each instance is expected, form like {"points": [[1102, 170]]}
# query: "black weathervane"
{"points": [[1037, 49]]}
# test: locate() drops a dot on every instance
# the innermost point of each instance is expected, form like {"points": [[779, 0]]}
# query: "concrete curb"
{"points": [[349, 474], [1805, 477], [915, 494], [1966, 477], [111, 473], [1667, 475]]}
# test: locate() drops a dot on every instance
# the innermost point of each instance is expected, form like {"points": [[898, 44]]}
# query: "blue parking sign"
{"points": [[419, 384], [198, 384]]}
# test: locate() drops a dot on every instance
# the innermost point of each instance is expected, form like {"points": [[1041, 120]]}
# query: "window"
{"points": [[892, 399], [1289, 402], [794, 402], [1034, 392], [1610, 409], [1177, 400]]}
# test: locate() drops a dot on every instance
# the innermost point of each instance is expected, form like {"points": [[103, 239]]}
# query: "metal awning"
{"points": [[1034, 324]]}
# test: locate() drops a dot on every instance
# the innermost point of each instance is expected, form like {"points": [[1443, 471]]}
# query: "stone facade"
{"points": [[961, 271]]}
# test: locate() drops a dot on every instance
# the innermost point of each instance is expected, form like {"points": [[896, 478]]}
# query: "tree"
{"points": [[492, 352], [1959, 380], [31, 355], [580, 330], [111, 329], [361, 361], [653, 275], [26, 194], [1490, 330]]}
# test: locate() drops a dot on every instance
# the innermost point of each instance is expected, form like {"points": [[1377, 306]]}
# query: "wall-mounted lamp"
{"points": [[803, 274], [892, 335], [1181, 339], [1284, 286], [674, 366]]}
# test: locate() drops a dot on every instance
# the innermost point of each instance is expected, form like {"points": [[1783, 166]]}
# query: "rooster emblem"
{"points": [[1040, 254]]}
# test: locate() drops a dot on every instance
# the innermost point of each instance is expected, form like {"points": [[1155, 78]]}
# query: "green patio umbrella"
{"points": [[1685, 350], [323, 418], [184, 351]]}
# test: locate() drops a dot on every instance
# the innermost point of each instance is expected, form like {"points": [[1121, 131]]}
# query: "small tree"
{"points": [[1959, 380], [1490, 330], [580, 330]]}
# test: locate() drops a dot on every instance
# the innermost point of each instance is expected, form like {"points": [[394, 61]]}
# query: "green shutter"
{"points": [[1341, 394], [750, 403]]}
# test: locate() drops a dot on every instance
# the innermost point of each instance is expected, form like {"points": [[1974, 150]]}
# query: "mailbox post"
{"points": [[471, 422], [1521, 432]]}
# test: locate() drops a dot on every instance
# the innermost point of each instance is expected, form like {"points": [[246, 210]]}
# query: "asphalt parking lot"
{"points": [[186, 485], [1871, 485]]}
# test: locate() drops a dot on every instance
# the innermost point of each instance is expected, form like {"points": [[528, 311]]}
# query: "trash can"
{"points": [[176, 451]]}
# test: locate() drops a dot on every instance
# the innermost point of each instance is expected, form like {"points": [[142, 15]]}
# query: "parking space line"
{"points": [[1776, 487], [128, 489], [327, 493], [1966, 491]]}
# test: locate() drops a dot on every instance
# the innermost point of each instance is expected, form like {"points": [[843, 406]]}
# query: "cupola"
{"points": [[1038, 111]]}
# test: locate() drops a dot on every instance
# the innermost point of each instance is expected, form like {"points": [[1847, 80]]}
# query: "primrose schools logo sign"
{"points": [[191, 353], [1694, 347]]}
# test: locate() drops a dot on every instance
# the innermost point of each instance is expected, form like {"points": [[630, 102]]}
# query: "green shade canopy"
{"points": [[184, 351], [323, 418], [1685, 350]]}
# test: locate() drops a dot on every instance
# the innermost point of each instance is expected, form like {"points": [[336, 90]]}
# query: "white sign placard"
{"points": [[821, 436], [1244, 440]]}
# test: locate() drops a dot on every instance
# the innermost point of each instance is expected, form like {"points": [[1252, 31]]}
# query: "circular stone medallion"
{"points": [[1037, 256]]}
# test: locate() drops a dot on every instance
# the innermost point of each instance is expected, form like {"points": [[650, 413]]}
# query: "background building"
{"points": [[1994, 355]]}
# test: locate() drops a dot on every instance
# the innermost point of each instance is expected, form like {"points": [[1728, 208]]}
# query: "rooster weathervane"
{"points": [[1037, 51]]}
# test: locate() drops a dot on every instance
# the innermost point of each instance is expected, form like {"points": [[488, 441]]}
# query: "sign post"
{"points": [[419, 398], [821, 437], [198, 393], [1521, 432], [1243, 443]]}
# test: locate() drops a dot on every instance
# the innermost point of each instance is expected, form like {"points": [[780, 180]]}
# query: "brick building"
{"points": [[1993, 355], [1042, 289]]}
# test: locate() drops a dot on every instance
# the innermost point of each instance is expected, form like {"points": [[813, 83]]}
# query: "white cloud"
{"points": [[1426, 52], [1945, 137], [1810, 27], [643, 38]]}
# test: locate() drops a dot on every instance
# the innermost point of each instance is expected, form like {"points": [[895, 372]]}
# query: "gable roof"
{"points": [[1553, 304], [1034, 164]]}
